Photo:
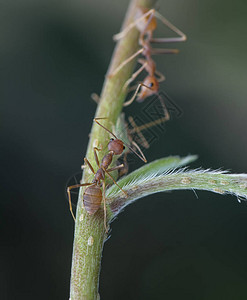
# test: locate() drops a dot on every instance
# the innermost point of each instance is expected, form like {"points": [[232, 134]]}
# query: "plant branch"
{"points": [[149, 180], [89, 230]]}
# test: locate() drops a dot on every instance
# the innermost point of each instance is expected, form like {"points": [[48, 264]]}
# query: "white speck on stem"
{"points": [[186, 180], [95, 143], [90, 241], [212, 181], [217, 190], [224, 182], [243, 185]]}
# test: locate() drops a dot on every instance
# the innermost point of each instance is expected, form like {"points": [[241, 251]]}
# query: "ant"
{"points": [[145, 22], [93, 196]]}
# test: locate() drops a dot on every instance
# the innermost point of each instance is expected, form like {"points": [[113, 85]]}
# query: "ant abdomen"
{"points": [[148, 24], [92, 199]]}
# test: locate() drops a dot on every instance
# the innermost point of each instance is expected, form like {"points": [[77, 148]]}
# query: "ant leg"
{"points": [[104, 201], [69, 188], [161, 76], [90, 166], [115, 168], [164, 51], [114, 72], [133, 88], [99, 118], [115, 182], [133, 77], [182, 37], [125, 168], [123, 33], [96, 121], [127, 103], [96, 156]]}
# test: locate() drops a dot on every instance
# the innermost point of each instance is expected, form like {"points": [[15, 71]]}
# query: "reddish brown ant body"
{"points": [[146, 23], [93, 196]]}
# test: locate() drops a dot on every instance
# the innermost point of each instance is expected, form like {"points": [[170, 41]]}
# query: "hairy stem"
{"points": [[141, 186], [89, 230]]}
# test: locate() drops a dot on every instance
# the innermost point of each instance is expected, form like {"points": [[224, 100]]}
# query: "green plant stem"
{"points": [[143, 185], [89, 230]]}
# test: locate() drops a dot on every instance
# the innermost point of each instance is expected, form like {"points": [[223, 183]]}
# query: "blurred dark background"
{"points": [[54, 54]]}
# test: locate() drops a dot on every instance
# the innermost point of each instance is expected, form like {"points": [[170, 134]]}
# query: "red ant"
{"points": [[146, 23], [93, 196]]}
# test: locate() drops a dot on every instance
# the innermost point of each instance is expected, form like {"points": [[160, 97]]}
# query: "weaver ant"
{"points": [[145, 22], [93, 195]]}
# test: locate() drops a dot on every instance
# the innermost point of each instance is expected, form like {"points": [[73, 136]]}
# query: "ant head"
{"points": [[149, 88], [152, 83], [116, 146]]}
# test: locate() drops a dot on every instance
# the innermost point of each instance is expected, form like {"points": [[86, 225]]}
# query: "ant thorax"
{"points": [[106, 160], [100, 175]]}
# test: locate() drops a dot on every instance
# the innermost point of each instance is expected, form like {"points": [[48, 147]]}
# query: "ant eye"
{"points": [[123, 147], [112, 139], [151, 84]]}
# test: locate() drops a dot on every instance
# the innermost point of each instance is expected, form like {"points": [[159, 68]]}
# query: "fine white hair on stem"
{"points": [[139, 183]]}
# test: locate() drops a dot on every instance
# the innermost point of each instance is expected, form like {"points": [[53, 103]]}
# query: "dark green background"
{"points": [[54, 54]]}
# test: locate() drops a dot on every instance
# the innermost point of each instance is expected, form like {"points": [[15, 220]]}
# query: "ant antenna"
{"points": [[142, 157], [96, 120]]}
